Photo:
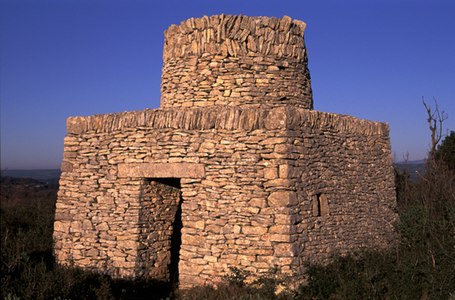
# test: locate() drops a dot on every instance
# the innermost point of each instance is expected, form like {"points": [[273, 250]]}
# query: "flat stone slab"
{"points": [[161, 170]]}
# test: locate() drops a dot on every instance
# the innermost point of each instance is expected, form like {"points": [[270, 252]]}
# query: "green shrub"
{"points": [[237, 286]]}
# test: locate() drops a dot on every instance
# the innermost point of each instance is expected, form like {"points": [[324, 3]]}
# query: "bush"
{"points": [[238, 285], [446, 151]]}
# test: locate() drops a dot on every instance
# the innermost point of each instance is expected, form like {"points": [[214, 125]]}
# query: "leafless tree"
{"points": [[435, 119]]}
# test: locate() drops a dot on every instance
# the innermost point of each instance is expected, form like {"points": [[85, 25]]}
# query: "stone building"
{"points": [[235, 169]]}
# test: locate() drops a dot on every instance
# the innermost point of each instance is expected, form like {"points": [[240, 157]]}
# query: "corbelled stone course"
{"points": [[234, 170], [229, 118]]}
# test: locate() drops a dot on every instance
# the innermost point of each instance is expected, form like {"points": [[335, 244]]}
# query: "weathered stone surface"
{"points": [[66, 167], [224, 118], [282, 199], [161, 170], [236, 154], [260, 62]]}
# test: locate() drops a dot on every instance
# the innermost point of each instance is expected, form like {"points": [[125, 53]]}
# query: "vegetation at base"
{"points": [[238, 285], [446, 151], [421, 266], [28, 270]]}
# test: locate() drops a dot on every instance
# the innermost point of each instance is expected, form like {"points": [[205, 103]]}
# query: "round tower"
{"points": [[236, 60]]}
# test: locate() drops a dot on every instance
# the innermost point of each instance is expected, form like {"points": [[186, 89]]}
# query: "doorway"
{"points": [[160, 223], [176, 236]]}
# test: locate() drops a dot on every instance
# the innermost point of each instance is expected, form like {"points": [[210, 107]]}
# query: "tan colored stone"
{"points": [[282, 199], [276, 119], [163, 170], [255, 230], [92, 252], [66, 166], [61, 226], [199, 225], [283, 250], [104, 226], [258, 202], [192, 240], [86, 224], [270, 173], [279, 237], [211, 259], [284, 171], [281, 229]]}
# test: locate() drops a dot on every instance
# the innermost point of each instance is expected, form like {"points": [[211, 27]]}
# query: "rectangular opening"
{"points": [[160, 226], [320, 205], [316, 205]]}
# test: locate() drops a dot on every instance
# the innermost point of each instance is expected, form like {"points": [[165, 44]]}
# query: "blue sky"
{"points": [[370, 59]]}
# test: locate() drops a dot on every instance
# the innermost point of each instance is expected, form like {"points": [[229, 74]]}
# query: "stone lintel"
{"points": [[161, 170]]}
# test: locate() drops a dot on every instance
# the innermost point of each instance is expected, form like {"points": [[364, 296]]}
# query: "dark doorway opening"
{"points": [[176, 242], [176, 237], [160, 220], [320, 205]]}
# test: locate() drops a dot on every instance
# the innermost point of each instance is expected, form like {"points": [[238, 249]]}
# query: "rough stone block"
{"points": [[282, 199], [270, 173], [254, 230], [161, 170]]}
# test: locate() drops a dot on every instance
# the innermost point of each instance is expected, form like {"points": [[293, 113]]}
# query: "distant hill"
{"points": [[49, 176], [413, 168], [412, 162], [25, 182]]}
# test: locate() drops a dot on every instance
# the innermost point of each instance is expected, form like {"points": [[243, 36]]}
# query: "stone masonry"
{"points": [[235, 169]]}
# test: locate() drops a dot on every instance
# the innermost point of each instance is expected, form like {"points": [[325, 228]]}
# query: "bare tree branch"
{"points": [[435, 119]]}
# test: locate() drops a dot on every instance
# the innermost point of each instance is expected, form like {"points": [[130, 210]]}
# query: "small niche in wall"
{"points": [[320, 205]]}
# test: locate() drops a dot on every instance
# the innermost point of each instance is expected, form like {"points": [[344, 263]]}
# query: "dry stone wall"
{"points": [[345, 183], [159, 203], [224, 213], [234, 169], [236, 60], [249, 207]]}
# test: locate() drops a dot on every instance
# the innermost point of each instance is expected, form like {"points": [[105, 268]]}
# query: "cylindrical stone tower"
{"points": [[236, 60]]}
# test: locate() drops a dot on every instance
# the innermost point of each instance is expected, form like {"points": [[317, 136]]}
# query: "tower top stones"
{"points": [[236, 60]]}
